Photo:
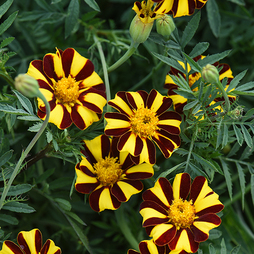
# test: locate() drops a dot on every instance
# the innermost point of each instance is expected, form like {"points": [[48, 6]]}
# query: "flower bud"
{"points": [[140, 31], [210, 74], [27, 85], [165, 26]]}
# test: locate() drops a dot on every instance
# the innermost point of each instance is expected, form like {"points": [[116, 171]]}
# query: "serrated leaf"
{"points": [[186, 94], [223, 249], [6, 42], [247, 136], [228, 179], [29, 118], [7, 23], [214, 18], [213, 58], [55, 1], [43, 4], [9, 219], [169, 171], [211, 249], [194, 65], [11, 110], [72, 17], [190, 29], [49, 136], [199, 49], [18, 207], [45, 175], [93, 5], [252, 187], [225, 136], [169, 61], [5, 157], [35, 128], [18, 189], [4, 7], [246, 86], [235, 250], [239, 2], [25, 102], [190, 105], [239, 135], [75, 217], [64, 204], [242, 181], [236, 81]]}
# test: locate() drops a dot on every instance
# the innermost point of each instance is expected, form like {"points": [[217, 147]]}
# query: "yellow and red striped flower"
{"points": [[109, 175], [30, 242], [179, 101], [181, 215], [75, 92], [143, 119]]}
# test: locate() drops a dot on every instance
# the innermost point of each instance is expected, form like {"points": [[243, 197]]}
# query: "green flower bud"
{"points": [[27, 85], [165, 26], [140, 31], [210, 74]]}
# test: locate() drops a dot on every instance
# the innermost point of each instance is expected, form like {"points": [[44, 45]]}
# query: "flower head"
{"points": [[75, 92], [179, 101], [109, 175], [143, 119], [180, 215], [30, 242]]}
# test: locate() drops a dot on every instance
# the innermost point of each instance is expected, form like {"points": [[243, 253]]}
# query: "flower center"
{"points": [[193, 78], [182, 213], [144, 122], [67, 90], [108, 171]]}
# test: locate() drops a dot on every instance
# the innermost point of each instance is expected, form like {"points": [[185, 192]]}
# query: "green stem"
{"points": [[125, 57], [121, 220], [28, 149], [224, 94], [6, 76]]}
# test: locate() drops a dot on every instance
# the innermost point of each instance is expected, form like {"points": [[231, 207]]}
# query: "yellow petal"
{"points": [[105, 201], [149, 212], [207, 202], [160, 229], [138, 99], [176, 186], [52, 249], [183, 242], [127, 189], [204, 226]]}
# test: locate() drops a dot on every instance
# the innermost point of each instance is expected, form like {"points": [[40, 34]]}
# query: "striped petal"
{"points": [[124, 189], [50, 248], [170, 121], [141, 171], [148, 153], [30, 241], [181, 186], [135, 99], [102, 199], [10, 248]]}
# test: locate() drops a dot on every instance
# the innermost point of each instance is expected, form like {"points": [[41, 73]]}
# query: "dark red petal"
{"points": [[66, 121], [24, 246], [166, 104], [86, 71], [193, 245], [133, 252], [138, 146], [166, 237], [52, 105], [45, 85], [165, 145], [122, 95], [13, 247], [77, 118], [118, 192], [167, 190], [67, 59], [38, 64], [41, 114], [49, 67], [170, 115], [185, 185], [45, 248], [118, 116], [138, 175], [200, 4], [196, 187], [132, 101], [211, 209], [122, 140], [86, 188]]}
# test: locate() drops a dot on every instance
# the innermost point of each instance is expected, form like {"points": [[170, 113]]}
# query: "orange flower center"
{"points": [[108, 171], [193, 78], [67, 91], [181, 213], [144, 122]]}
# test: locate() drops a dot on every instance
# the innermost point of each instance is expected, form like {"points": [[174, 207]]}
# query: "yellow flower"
{"points": [[75, 92]]}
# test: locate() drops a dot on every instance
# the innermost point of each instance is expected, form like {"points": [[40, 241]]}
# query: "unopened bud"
{"points": [[210, 74], [27, 85], [165, 26], [140, 31]]}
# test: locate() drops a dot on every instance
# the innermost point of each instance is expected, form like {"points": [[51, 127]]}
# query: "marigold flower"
{"points": [[179, 101], [75, 92], [143, 118], [170, 218], [109, 175], [30, 242]]}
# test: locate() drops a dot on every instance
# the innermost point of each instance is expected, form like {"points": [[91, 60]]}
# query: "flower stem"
{"points": [[121, 220], [125, 57], [28, 149]]}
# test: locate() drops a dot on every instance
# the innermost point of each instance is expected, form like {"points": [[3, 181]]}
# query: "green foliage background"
{"points": [[224, 153]]}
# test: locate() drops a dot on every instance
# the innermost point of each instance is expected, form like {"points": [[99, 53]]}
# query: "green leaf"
{"points": [[6, 42], [247, 136], [199, 49], [7, 23], [235, 250], [60, 183], [186, 94], [4, 7], [35, 128], [225, 135], [18, 189], [45, 175], [43, 4], [75, 217], [18, 207], [190, 29], [223, 247], [5, 157], [246, 86], [55, 1], [64, 204], [239, 2], [11, 110], [29, 118], [252, 187], [213, 58], [93, 5], [25, 102], [242, 181], [228, 178], [72, 17], [190, 105], [169, 171], [169, 61], [214, 18], [211, 249], [236, 80], [194, 65], [9, 219], [239, 135]]}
